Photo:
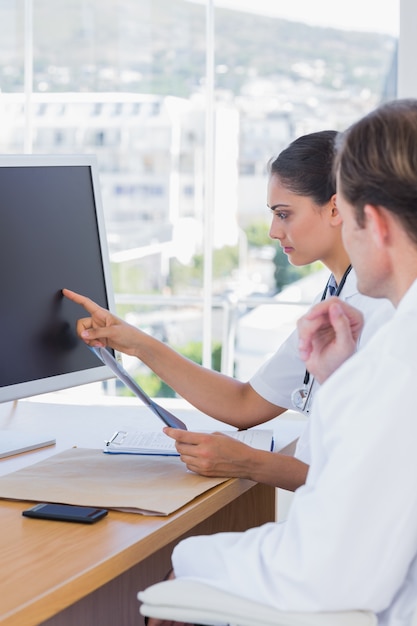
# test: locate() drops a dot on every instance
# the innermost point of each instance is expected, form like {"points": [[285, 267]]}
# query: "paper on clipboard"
{"points": [[108, 359], [157, 443]]}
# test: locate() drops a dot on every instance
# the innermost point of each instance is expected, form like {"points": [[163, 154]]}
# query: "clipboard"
{"points": [[108, 359], [157, 443]]}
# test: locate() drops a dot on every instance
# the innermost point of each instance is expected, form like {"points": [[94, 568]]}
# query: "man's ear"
{"points": [[334, 211], [378, 223]]}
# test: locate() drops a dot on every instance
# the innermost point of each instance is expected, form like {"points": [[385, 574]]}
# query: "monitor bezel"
{"points": [[101, 372]]}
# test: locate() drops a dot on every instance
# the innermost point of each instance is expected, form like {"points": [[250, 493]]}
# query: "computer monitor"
{"points": [[52, 236]]}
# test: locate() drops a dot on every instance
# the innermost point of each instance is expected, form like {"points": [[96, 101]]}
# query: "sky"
{"points": [[364, 15]]}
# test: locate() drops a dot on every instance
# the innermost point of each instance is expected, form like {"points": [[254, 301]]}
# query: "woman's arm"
{"points": [[218, 454], [222, 397]]}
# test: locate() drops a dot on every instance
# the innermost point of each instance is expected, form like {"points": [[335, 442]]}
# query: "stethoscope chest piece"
{"points": [[300, 397]]}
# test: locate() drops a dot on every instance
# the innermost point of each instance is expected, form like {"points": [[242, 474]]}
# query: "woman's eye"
{"points": [[281, 215]]}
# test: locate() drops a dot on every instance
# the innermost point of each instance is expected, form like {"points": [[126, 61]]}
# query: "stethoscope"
{"points": [[301, 397]]}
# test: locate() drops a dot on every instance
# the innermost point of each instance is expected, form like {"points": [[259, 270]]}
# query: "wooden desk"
{"points": [[63, 574]]}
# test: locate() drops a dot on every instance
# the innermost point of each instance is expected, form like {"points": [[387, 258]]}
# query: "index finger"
{"points": [[89, 305]]}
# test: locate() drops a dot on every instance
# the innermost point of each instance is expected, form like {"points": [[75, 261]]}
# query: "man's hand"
{"points": [[328, 335], [213, 454]]}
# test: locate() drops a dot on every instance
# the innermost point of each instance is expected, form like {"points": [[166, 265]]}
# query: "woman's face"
{"points": [[303, 228]]}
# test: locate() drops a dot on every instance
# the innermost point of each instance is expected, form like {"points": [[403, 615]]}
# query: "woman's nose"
{"points": [[276, 231]]}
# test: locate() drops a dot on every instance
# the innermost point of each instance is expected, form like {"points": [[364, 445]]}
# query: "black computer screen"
{"points": [[51, 237]]}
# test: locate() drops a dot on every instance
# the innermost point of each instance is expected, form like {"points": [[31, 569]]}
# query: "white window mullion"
{"points": [[208, 211], [407, 76], [28, 74]]}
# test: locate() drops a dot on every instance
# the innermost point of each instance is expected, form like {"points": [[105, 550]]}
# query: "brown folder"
{"points": [[152, 485]]}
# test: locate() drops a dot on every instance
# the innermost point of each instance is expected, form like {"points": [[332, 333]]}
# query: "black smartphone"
{"points": [[66, 513]]}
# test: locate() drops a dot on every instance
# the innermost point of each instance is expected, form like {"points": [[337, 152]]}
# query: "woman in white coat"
{"points": [[307, 225]]}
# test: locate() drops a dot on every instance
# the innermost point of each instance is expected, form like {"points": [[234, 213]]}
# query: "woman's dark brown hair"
{"points": [[305, 167]]}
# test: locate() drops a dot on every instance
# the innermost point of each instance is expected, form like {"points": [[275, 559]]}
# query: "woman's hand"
{"points": [[212, 454], [102, 328]]}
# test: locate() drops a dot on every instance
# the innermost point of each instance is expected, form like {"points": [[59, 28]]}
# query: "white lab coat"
{"points": [[284, 371], [350, 541]]}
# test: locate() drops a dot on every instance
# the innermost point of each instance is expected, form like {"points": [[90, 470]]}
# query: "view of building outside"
{"points": [[129, 80]]}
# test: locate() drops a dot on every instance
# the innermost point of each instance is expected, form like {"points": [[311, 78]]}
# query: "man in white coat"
{"points": [[350, 541]]}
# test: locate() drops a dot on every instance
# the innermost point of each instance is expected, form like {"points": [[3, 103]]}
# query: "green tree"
{"points": [[285, 273], [182, 277], [156, 388], [257, 234]]}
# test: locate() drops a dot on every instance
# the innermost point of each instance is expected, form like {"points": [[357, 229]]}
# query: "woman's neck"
{"points": [[338, 267]]}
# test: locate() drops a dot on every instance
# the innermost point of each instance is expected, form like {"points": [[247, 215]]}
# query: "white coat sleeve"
{"points": [[283, 372]]}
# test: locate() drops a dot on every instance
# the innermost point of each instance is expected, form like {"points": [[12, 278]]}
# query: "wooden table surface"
{"points": [[64, 574]]}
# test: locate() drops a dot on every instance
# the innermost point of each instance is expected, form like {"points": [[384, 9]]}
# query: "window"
{"points": [[184, 103]]}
